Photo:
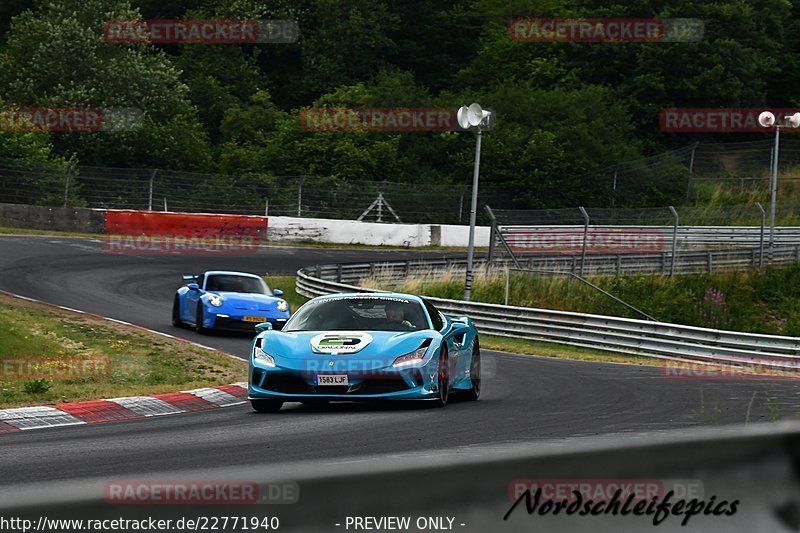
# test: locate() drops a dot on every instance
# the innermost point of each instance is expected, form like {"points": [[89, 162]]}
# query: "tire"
{"points": [[198, 320], [443, 378], [176, 312], [475, 370], [266, 406]]}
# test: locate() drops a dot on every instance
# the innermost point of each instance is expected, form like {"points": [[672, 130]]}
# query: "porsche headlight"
{"points": [[215, 300], [411, 358], [263, 357], [283, 306]]}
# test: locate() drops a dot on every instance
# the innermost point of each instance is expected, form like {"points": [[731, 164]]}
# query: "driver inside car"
{"points": [[395, 316]]}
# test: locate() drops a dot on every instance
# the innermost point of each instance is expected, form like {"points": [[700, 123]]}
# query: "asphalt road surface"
{"points": [[524, 399]]}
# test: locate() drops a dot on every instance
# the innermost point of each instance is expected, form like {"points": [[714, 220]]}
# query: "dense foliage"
{"points": [[563, 109]]}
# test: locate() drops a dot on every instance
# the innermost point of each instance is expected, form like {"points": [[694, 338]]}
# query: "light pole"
{"points": [[767, 120], [473, 118]]}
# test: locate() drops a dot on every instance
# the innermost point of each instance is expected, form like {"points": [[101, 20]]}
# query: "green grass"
{"points": [[743, 301], [561, 351], [288, 285], [51, 356]]}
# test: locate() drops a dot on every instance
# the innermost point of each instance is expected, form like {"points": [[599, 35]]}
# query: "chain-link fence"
{"points": [[733, 175]]}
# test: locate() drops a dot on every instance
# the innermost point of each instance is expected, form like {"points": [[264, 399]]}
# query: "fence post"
{"points": [[150, 190], [691, 171], [492, 230], [674, 241], [300, 196], [461, 203], [761, 239], [508, 276], [585, 237], [710, 263]]}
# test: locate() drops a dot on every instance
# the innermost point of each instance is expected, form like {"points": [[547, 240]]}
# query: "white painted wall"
{"points": [[292, 229]]}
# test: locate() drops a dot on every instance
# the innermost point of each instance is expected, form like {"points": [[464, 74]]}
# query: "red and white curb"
{"points": [[114, 409]]}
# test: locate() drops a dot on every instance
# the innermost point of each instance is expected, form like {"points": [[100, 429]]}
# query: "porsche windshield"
{"points": [[359, 313], [230, 283]]}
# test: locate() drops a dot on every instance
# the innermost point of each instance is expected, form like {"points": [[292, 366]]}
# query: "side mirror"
{"points": [[277, 292], [264, 326], [193, 287], [459, 328]]}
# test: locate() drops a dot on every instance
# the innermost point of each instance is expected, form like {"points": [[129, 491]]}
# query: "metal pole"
{"points": [[300, 196], [472, 214], [508, 276], [774, 192], [674, 241], [165, 204], [150, 192], [691, 171], [761, 239], [585, 237], [66, 187], [266, 207]]}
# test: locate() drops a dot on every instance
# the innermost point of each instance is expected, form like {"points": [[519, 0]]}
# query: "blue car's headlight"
{"points": [[283, 306], [411, 358], [263, 357], [215, 300]]}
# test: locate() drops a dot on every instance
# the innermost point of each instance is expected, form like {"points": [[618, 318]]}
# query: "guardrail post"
{"points": [[761, 239], [319, 271], [619, 264], [339, 273], [710, 262], [585, 237], [674, 238]]}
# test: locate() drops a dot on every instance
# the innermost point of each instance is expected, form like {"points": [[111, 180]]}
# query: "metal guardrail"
{"points": [[615, 334]]}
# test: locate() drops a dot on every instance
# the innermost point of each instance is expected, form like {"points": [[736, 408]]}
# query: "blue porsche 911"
{"points": [[233, 301], [370, 346]]}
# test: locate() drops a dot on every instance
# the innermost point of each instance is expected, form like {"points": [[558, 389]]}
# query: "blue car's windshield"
{"points": [[370, 313], [232, 283]]}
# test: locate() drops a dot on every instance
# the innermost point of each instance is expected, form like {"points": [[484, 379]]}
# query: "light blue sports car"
{"points": [[365, 346], [223, 300]]}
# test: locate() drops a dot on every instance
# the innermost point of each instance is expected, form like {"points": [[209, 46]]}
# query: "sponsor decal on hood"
{"points": [[340, 342]]}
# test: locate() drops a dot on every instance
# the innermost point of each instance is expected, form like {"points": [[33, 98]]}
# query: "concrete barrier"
{"points": [[80, 219]]}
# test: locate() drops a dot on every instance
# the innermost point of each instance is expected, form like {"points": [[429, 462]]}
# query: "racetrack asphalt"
{"points": [[524, 398]]}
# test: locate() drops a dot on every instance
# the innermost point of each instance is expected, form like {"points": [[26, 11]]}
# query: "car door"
{"points": [[443, 325]]}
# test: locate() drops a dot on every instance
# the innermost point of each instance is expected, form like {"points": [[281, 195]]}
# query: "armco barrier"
{"points": [[621, 335]]}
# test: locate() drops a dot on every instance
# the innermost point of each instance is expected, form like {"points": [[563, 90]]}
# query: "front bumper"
{"points": [[296, 384], [236, 322]]}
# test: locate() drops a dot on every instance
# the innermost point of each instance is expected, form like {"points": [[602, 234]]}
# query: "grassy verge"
{"points": [[50, 356], [746, 300], [288, 286]]}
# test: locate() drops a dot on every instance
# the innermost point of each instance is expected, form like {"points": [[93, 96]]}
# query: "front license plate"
{"points": [[332, 379], [254, 319]]}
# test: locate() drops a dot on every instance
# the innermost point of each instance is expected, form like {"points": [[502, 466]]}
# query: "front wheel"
{"points": [[266, 406], [176, 312], [443, 378]]}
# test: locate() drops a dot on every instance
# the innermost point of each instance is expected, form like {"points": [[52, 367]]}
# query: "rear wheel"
{"points": [[198, 321], [176, 312], [443, 378], [475, 372], [266, 406]]}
